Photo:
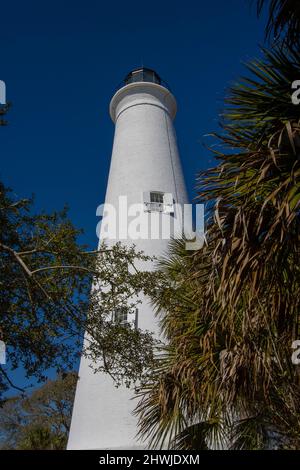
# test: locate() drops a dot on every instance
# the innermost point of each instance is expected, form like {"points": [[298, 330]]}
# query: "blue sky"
{"points": [[62, 61]]}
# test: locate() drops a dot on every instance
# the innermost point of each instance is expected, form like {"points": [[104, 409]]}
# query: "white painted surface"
{"points": [[144, 158]]}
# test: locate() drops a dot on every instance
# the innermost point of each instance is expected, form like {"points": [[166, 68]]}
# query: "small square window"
{"points": [[157, 201], [120, 316], [157, 197]]}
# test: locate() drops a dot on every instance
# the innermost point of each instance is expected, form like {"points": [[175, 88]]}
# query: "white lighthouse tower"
{"points": [[145, 167]]}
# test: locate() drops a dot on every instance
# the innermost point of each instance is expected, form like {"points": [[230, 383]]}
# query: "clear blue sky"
{"points": [[62, 60]]}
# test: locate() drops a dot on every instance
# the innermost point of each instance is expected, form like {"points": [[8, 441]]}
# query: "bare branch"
{"points": [[10, 382], [18, 258]]}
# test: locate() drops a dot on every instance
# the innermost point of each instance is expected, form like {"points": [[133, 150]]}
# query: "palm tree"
{"points": [[284, 19], [231, 310]]}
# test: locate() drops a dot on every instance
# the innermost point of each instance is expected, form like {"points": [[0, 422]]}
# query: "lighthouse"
{"points": [[146, 168]]}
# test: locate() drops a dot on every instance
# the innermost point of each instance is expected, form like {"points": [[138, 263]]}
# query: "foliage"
{"points": [[42, 270], [46, 302], [121, 282], [42, 420], [42, 438], [3, 111], [283, 21]]}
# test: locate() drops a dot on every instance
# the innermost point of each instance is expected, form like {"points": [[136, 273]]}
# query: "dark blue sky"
{"points": [[62, 61]]}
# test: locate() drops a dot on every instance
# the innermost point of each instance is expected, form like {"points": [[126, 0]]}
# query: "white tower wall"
{"points": [[144, 158]]}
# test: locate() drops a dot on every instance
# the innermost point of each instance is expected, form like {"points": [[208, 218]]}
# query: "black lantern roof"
{"points": [[143, 74]]}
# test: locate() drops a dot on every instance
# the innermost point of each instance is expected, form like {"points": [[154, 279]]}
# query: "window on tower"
{"points": [[157, 198], [120, 316], [125, 317], [157, 201]]}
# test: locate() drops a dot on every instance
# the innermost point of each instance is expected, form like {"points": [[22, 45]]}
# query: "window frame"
{"points": [[164, 202], [159, 195], [131, 318], [118, 314]]}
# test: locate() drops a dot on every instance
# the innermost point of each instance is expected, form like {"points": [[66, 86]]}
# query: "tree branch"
{"points": [[18, 258], [10, 382], [79, 268]]}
